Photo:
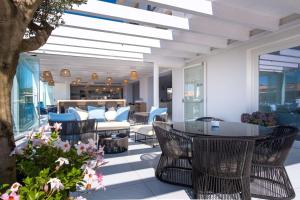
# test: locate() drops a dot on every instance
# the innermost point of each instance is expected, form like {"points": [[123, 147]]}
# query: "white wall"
{"points": [[178, 91], [232, 75], [127, 93], [61, 91], [146, 90]]}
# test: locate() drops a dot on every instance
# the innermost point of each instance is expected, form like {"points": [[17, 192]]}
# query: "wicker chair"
{"points": [[175, 162], [72, 130], [269, 179], [221, 167], [209, 119]]}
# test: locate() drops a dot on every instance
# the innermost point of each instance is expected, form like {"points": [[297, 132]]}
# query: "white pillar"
{"points": [[177, 97], [155, 85]]}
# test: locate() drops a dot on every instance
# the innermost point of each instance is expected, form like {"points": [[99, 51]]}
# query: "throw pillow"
{"points": [[122, 114]]}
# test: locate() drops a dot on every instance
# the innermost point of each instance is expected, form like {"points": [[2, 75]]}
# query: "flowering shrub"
{"points": [[263, 119], [48, 168]]}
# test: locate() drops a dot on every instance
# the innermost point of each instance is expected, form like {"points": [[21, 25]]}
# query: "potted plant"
{"points": [[49, 168]]}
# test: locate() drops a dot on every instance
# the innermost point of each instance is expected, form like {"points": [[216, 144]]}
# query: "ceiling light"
{"points": [[78, 80], [47, 75], [125, 82], [94, 76], [51, 83], [65, 73], [105, 37], [133, 75]]}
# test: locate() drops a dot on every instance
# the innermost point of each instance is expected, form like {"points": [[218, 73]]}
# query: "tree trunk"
{"points": [[7, 144], [12, 29]]}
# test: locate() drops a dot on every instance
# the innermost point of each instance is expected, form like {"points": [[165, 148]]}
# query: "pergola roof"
{"points": [[162, 31]]}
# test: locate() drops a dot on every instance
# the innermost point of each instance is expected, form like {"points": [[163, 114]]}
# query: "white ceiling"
{"points": [[232, 20]]}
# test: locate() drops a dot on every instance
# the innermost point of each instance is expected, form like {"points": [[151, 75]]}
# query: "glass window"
{"points": [[279, 85], [25, 95]]}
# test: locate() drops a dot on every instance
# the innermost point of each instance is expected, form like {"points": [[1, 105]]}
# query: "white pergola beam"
{"points": [[97, 44], [216, 27], [82, 55], [245, 16], [115, 27], [164, 61], [202, 49], [201, 39], [280, 58], [101, 52], [190, 6], [116, 11], [173, 53], [269, 67], [279, 64], [105, 37], [290, 52]]}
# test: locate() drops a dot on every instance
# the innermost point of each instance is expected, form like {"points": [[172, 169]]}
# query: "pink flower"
{"points": [[57, 126], [15, 187], [17, 151], [65, 146], [81, 148], [62, 161], [55, 184], [11, 196]]}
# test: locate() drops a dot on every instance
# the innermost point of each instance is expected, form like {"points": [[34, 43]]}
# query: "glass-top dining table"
{"points": [[226, 129]]}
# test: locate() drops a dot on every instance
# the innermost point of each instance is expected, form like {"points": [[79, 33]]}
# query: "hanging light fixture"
{"points": [[47, 75], [65, 73], [125, 82], [97, 90], [94, 76], [109, 79], [133, 75], [51, 82], [74, 83], [78, 80]]}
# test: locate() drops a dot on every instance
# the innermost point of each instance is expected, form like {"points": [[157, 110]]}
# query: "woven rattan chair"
{"points": [[72, 130], [269, 179], [175, 162], [221, 168], [209, 119]]}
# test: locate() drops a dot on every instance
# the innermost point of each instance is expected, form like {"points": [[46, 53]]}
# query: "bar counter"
{"points": [[62, 105]]}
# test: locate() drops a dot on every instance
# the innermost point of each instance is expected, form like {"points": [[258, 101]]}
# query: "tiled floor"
{"points": [[130, 175]]}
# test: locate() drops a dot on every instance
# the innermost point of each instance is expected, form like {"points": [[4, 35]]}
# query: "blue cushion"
{"points": [[97, 113], [90, 108], [156, 111], [61, 117], [122, 114], [74, 111]]}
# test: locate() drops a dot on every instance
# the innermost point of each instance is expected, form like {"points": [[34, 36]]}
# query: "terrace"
{"points": [[141, 76]]}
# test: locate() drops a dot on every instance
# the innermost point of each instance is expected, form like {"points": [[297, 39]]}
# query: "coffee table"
{"points": [[114, 143]]}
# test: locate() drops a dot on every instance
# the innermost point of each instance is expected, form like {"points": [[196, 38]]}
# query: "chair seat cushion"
{"points": [[61, 117], [102, 126], [143, 130]]}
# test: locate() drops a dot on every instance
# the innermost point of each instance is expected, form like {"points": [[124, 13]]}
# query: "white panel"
{"points": [[173, 53], [216, 27], [280, 58], [100, 8], [185, 47], [53, 47], [40, 51], [276, 63], [245, 16], [116, 27], [196, 6], [97, 44], [106, 37], [290, 52], [201, 39], [267, 67]]}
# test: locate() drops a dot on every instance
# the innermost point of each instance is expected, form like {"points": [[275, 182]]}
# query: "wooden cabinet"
{"points": [[140, 107]]}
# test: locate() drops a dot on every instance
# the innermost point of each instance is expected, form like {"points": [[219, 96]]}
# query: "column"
{"points": [[155, 85]]}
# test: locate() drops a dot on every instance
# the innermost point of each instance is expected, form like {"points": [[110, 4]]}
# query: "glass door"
{"points": [[194, 92]]}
